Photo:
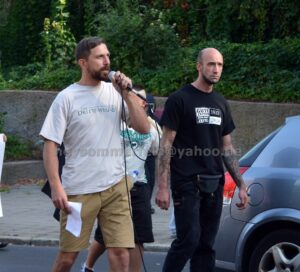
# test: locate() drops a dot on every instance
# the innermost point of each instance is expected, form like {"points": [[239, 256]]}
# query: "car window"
{"points": [[252, 154], [283, 151]]}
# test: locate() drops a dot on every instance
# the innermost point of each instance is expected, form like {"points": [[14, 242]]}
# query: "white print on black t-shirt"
{"points": [[209, 116]]}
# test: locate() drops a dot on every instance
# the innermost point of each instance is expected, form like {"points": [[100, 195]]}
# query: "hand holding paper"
{"points": [[74, 222]]}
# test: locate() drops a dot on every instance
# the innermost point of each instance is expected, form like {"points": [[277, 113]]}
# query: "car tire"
{"points": [[279, 249]]}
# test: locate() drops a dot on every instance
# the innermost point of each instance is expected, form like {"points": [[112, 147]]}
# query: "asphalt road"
{"points": [[17, 258]]}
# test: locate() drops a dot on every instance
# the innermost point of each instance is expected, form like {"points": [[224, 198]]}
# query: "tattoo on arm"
{"points": [[231, 163], [164, 158], [165, 150]]}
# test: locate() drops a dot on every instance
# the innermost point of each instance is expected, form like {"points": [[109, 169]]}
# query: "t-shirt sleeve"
{"points": [[172, 113], [55, 123], [229, 125]]}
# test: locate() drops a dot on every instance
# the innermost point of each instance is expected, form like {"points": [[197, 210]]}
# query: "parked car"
{"points": [[266, 235]]}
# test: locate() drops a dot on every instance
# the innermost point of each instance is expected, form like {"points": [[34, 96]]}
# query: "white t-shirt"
{"points": [[137, 147], [87, 119]]}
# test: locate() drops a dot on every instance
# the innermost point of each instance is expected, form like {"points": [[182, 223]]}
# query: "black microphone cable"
{"points": [[123, 116], [129, 138], [124, 124], [130, 89]]}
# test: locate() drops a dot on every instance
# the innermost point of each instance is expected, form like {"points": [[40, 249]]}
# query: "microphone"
{"points": [[129, 88]]}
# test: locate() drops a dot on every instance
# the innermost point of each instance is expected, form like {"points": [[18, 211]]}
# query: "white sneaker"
{"points": [[84, 269]]}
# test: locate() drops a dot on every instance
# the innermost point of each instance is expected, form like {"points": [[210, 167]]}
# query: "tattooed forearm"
{"points": [[164, 158], [164, 155], [231, 163]]}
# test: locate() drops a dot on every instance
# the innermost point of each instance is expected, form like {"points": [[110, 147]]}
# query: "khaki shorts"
{"points": [[112, 208]]}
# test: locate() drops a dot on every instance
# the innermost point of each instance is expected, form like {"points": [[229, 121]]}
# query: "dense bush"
{"points": [[257, 71], [156, 43], [262, 71], [232, 20], [55, 78], [138, 39], [20, 25], [58, 40]]}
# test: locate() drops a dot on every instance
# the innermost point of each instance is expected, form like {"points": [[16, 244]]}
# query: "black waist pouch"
{"points": [[207, 183]]}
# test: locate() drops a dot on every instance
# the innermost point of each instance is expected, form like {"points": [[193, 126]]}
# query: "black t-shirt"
{"points": [[200, 120]]}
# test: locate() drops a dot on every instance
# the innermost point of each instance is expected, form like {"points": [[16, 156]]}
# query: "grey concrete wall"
{"points": [[14, 172], [26, 111]]}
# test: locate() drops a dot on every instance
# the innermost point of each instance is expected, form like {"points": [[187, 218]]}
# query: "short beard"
{"points": [[208, 81], [101, 75]]}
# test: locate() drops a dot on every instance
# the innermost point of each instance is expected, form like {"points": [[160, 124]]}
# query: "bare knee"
{"points": [[118, 259], [64, 261], [120, 253]]}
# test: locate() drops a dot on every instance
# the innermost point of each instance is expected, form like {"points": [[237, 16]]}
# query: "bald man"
{"points": [[196, 141]]}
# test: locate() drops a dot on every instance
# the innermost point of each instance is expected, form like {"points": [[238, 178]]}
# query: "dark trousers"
{"points": [[197, 218], [150, 172]]}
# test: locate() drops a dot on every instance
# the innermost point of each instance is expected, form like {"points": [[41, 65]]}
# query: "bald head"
{"points": [[208, 52], [210, 67]]}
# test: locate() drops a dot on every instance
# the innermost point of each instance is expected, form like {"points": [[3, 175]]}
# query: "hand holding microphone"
{"points": [[122, 83]]}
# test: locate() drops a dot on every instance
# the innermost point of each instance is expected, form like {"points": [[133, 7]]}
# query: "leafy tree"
{"points": [[59, 42], [137, 38], [20, 23]]}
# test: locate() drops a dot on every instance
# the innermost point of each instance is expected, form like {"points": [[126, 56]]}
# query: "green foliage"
{"points": [[2, 82], [76, 18], [20, 23], [254, 71], [38, 77], [91, 10], [58, 40], [156, 42], [57, 79], [260, 71], [188, 18], [253, 20], [19, 73], [232, 20], [2, 121], [166, 79], [132, 52], [17, 148]]}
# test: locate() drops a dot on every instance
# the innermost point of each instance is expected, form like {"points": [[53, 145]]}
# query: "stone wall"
{"points": [[26, 110]]}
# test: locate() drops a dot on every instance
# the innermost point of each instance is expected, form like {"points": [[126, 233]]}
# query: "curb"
{"points": [[156, 247], [30, 241]]}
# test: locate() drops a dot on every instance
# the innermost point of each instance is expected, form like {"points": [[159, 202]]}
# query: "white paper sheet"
{"points": [[74, 222], [1, 212], [2, 149]]}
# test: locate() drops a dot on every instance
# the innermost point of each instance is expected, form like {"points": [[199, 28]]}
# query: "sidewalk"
{"points": [[27, 219]]}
